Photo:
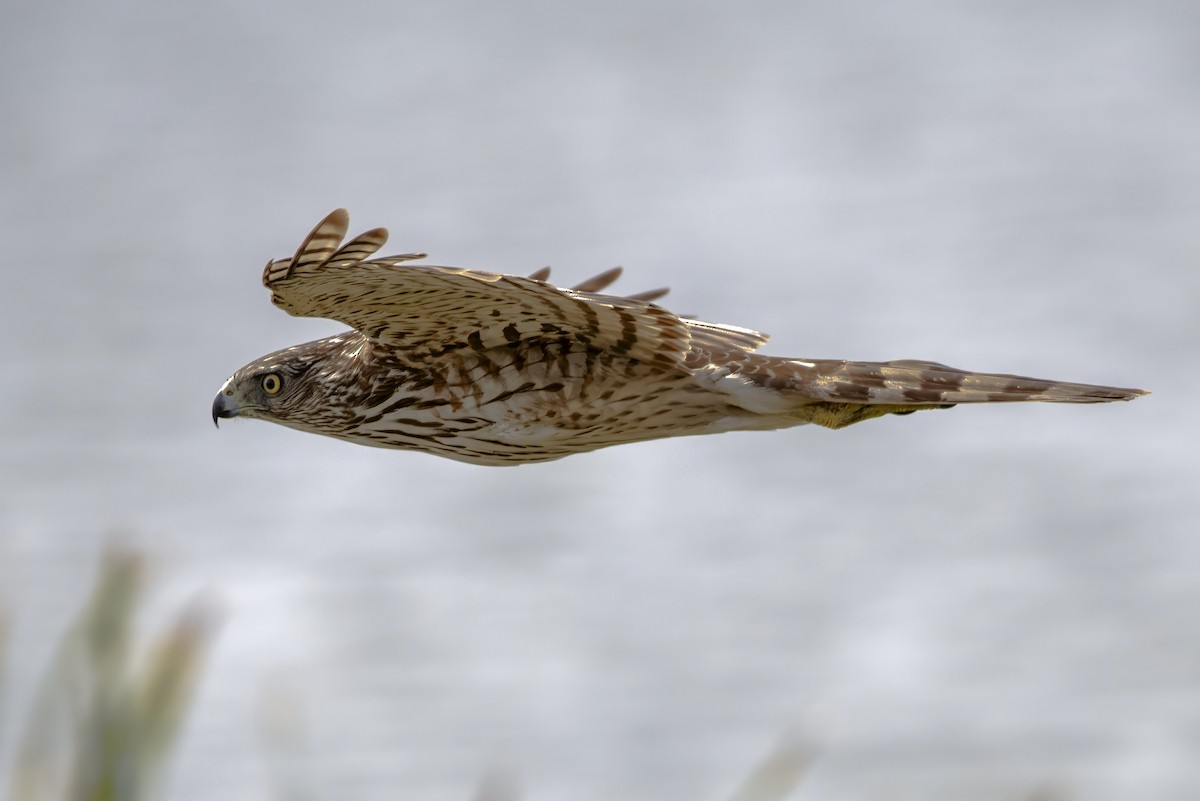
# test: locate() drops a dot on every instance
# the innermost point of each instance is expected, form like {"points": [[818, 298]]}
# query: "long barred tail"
{"points": [[839, 393]]}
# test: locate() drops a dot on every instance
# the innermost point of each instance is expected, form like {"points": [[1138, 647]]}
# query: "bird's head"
{"points": [[280, 387]]}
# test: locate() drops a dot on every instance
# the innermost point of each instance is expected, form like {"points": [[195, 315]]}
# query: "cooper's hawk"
{"points": [[502, 369]]}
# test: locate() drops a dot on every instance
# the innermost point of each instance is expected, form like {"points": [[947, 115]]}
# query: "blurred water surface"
{"points": [[964, 604]]}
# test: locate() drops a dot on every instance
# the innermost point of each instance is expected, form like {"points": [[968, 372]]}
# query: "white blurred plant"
{"points": [[107, 712], [106, 715], [777, 776]]}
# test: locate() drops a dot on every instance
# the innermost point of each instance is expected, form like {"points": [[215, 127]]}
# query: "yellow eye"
{"points": [[272, 383]]}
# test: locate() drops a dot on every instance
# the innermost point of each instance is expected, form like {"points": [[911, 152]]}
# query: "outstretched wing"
{"points": [[427, 310]]}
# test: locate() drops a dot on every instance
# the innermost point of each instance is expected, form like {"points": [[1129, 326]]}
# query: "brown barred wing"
{"points": [[426, 311]]}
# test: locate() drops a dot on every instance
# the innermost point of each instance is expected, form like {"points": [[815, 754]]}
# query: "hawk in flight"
{"points": [[502, 369]]}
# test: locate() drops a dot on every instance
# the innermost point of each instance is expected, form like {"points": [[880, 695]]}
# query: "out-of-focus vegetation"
{"points": [[107, 711], [776, 777]]}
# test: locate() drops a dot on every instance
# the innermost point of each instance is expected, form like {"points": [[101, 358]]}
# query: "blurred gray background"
{"points": [[965, 604]]}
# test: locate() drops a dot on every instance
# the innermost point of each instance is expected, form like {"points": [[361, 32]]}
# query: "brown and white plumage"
{"points": [[502, 369]]}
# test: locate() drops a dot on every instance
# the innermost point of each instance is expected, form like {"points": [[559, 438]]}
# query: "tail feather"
{"points": [[839, 393], [920, 382]]}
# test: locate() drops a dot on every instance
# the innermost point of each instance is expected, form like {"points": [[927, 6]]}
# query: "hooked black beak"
{"points": [[224, 407]]}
